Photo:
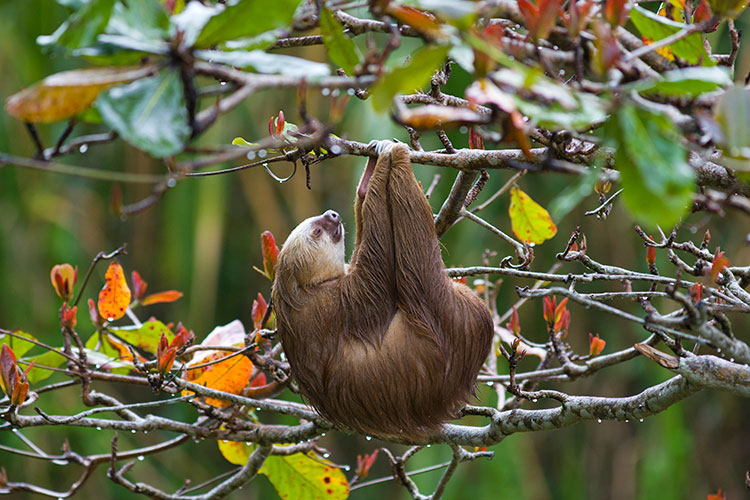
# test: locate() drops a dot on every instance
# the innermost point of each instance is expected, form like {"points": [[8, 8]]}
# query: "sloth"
{"points": [[387, 345]]}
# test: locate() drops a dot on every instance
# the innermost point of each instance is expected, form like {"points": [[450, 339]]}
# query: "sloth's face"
{"points": [[316, 248]]}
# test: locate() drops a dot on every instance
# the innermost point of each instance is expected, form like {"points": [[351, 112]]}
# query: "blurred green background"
{"points": [[203, 239]]}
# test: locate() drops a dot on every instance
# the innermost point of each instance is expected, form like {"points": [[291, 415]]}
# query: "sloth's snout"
{"points": [[331, 216]]}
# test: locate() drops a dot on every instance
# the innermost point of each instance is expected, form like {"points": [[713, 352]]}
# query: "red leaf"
{"points": [[514, 324], [475, 140], [616, 12], [270, 253], [696, 292], [548, 310], [13, 380], [259, 380], [167, 296], [258, 311], [719, 495], [720, 263], [139, 286], [540, 17], [68, 316], [596, 345], [650, 254], [280, 122], [365, 463], [63, 277], [96, 318]]}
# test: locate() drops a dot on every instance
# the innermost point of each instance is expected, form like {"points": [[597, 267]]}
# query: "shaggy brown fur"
{"points": [[390, 346]]}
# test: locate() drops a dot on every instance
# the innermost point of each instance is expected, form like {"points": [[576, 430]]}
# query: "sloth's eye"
{"points": [[317, 232]]}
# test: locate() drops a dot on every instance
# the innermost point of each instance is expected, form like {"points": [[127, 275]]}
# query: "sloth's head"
{"points": [[314, 251]]}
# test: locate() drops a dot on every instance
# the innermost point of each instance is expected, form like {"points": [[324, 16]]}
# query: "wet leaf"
{"points": [[236, 452], [655, 27], [82, 27], [149, 113], [657, 180], [247, 19], [166, 296], [263, 62], [301, 477], [732, 113], [341, 48], [113, 354], [230, 375], [484, 92], [687, 82], [114, 298], [531, 222], [145, 337], [432, 117], [414, 75], [64, 95]]}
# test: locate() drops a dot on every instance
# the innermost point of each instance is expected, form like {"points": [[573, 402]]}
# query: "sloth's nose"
{"points": [[331, 216]]}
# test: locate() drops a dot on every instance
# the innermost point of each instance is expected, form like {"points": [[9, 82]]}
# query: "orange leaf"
{"points": [[719, 495], [155, 298], [531, 222], [719, 264], [596, 345], [114, 298], [64, 95], [230, 375]]}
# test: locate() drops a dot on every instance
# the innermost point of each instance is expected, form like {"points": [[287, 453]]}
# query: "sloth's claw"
{"points": [[380, 147]]}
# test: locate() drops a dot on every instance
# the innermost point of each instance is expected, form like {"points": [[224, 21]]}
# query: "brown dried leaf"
{"points": [[64, 95]]}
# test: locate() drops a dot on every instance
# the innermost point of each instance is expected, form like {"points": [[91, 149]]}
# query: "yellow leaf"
{"points": [[64, 95], [236, 452], [531, 222], [299, 476], [114, 298], [306, 477]]}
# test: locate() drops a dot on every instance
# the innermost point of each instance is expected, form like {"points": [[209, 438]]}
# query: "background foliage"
{"points": [[202, 239]]}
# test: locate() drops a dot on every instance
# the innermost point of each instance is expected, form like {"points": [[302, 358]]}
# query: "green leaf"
{"points": [[149, 113], [341, 48], [49, 358], [657, 180], [146, 337], [732, 112], [140, 20], [589, 110], [82, 27], [262, 41], [263, 62], [301, 477], [685, 82], [193, 19], [414, 75], [239, 141], [246, 19], [108, 352], [655, 27], [19, 346]]}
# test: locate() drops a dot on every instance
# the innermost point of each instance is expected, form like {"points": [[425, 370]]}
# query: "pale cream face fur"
{"points": [[314, 255]]}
